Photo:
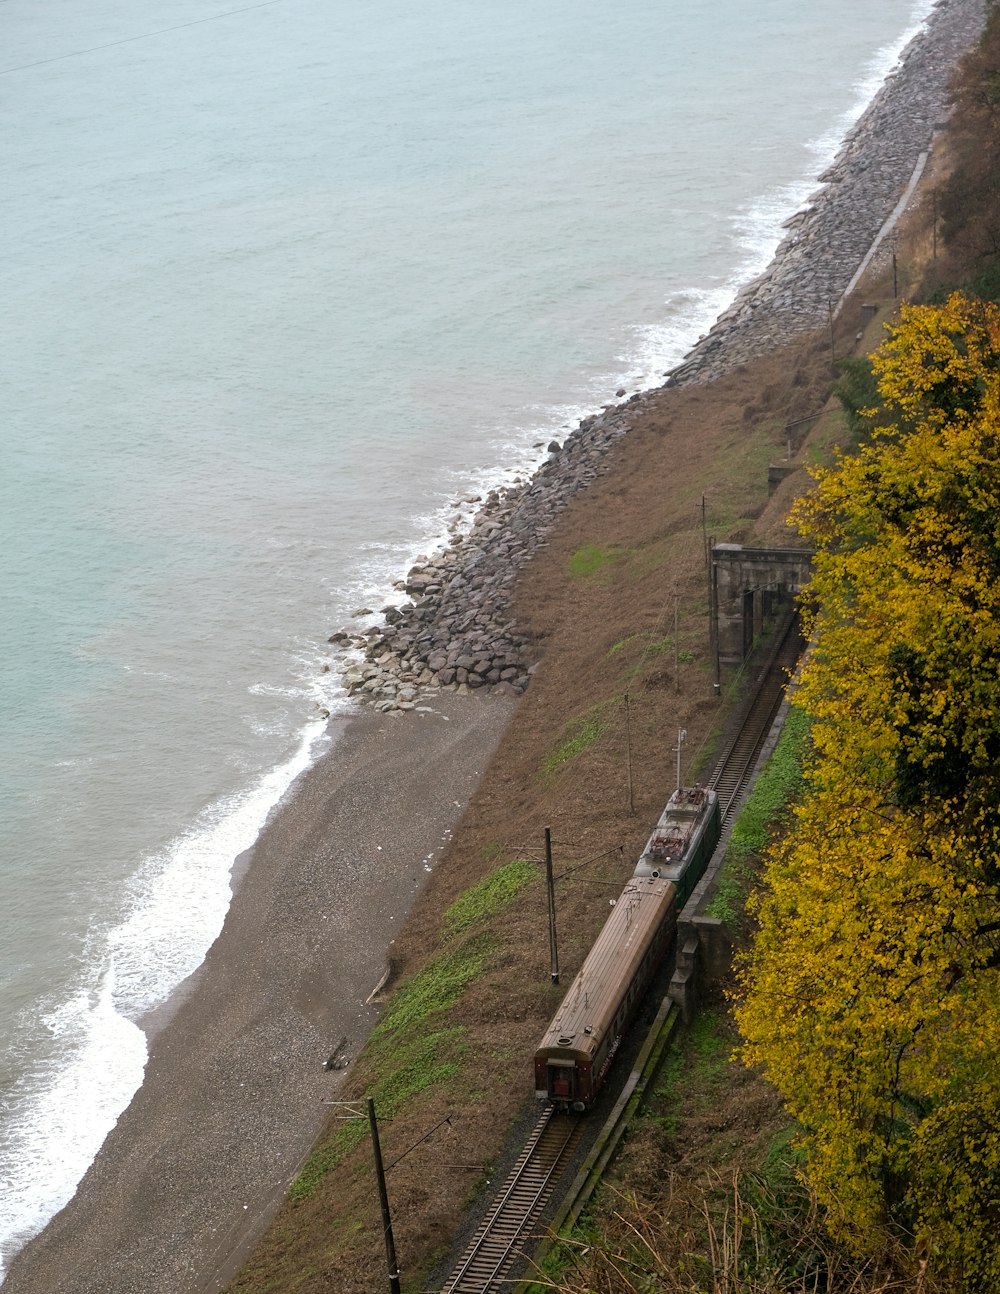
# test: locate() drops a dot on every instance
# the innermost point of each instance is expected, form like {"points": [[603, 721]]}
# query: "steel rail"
{"points": [[490, 1255], [739, 758], [492, 1250]]}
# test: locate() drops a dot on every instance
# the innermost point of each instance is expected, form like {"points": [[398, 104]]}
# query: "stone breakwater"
{"points": [[458, 630], [830, 237]]}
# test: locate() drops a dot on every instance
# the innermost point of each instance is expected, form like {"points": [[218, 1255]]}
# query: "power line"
{"points": [[127, 40]]}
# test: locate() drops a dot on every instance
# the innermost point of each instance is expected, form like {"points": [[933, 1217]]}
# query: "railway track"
{"points": [[505, 1235], [498, 1243], [739, 758]]}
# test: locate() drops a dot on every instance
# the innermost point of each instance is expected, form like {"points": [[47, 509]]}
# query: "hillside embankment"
{"points": [[593, 577]]}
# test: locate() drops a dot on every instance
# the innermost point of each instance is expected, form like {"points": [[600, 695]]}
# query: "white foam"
{"points": [[690, 313], [881, 65], [760, 226], [181, 896], [63, 1110], [61, 1114]]}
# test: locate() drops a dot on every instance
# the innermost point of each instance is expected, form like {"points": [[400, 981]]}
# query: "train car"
{"points": [[574, 1056]]}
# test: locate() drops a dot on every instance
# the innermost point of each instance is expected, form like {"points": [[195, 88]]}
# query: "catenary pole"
{"points": [[383, 1195], [550, 886]]}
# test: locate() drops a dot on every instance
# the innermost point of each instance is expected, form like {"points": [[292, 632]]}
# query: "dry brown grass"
{"points": [[597, 635], [721, 1235]]}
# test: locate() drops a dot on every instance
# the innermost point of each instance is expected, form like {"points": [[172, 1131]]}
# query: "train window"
{"points": [[562, 1084]]}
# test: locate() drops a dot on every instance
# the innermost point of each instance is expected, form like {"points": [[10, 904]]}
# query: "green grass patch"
{"points": [[590, 560], [434, 989], [489, 895], [692, 1069], [579, 735], [777, 787], [708, 1049], [422, 1063], [430, 1059], [621, 644], [325, 1158]]}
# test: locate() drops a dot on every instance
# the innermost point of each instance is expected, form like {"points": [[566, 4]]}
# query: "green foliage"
{"points": [[766, 808], [489, 895], [958, 1183], [696, 1065], [438, 986], [857, 392], [779, 783], [986, 283], [580, 734]]}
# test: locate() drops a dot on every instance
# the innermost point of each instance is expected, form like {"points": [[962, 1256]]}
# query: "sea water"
{"points": [[280, 282]]}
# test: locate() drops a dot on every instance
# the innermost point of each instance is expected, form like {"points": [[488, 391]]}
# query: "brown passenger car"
{"points": [[573, 1057], [579, 1044]]}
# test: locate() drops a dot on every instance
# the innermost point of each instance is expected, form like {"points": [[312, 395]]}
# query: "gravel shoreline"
{"points": [[459, 630], [234, 1090]]}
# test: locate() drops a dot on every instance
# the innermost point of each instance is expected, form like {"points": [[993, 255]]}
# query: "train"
{"points": [[575, 1054]]}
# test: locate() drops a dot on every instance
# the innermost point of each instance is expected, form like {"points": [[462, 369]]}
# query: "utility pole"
{"points": [[681, 739], [713, 625], [934, 221], [383, 1195], [550, 886], [628, 754]]}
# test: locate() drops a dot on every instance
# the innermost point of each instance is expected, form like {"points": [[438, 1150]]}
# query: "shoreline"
{"points": [[524, 522], [459, 630], [233, 1093]]}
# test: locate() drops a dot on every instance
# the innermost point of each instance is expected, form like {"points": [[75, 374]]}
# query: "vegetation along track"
{"points": [[735, 768], [506, 1233], [497, 1244]]}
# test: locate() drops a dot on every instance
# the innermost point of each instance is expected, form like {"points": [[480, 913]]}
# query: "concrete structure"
{"points": [[751, 587]]}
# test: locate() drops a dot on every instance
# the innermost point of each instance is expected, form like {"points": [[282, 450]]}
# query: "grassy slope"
{"points": [[601, 606]]}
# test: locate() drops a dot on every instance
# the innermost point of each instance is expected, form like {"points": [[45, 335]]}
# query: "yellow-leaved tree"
{"points": [[871, 996]]}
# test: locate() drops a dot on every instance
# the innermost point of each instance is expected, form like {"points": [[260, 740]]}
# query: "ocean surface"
{"points": [[279, 283]]}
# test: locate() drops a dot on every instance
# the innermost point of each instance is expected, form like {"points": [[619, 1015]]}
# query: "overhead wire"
{"points": [[128, 40]]}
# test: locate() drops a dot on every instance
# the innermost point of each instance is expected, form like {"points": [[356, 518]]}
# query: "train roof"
{"points": [[589, 1007], [677, 831]]}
